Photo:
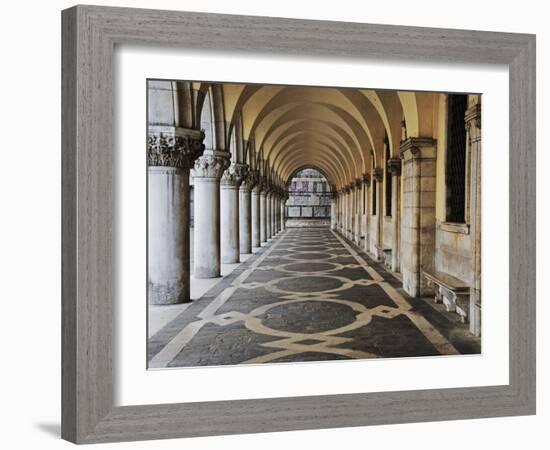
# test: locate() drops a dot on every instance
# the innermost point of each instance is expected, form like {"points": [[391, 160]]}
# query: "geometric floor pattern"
{"points": [[307, 296]]}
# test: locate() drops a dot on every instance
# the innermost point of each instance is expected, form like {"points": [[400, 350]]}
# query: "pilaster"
{"points": [[418, 221]]}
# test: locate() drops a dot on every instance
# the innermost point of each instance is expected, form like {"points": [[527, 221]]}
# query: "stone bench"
{"points": [[451, 291]]}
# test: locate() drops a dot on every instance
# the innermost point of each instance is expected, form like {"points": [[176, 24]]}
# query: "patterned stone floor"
{"points": [[307, 296]]}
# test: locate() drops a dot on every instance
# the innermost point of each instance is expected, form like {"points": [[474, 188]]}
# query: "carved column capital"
{"points": [[366, 179], [250, 181], [394, 166], [234, 175], [261, 185], [473, 116], [174, 147], [211, 165], [472, 120], [378, 174], [417, 147], [358, 183]]}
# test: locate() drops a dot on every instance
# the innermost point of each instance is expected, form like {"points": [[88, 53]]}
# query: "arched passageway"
{"points": [[309, 199], [396, 187]]}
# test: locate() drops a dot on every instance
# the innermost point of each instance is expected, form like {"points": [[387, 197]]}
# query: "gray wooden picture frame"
{"points": [[90, 34]]}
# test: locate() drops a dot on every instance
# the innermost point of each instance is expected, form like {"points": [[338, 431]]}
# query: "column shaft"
{"points": [[245, 220], [366, 222], [282, 216], [207, 228], [268, 216], [206, 177], [473, 125], [229, 231], [263, 217], [333, 213], [395, 169], [168, 235], [255, 207]]}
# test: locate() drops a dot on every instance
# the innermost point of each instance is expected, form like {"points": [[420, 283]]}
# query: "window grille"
{"points": [[455, 169]]}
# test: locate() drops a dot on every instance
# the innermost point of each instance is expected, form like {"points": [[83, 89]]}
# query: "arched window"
{"points": [[455, 167], [207, 121], [233, 145]]}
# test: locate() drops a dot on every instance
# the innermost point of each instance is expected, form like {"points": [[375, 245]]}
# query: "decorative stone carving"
{"points": [[234, 175], [358, 183], [418, 148], [394, 166], [211, 165], [472, 121], [177, 147], [403, 130], [366, 179], [473, 115], [250, 180], [378, 174], [260, 184]]}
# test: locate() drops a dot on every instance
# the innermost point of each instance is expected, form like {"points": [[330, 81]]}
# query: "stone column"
{"points": [[207, 172], [473, 127], [340, 214], [395, 170], [282, 217], [273, 214], [378, 175], [344, 210], [418, 221], [268, 211], [366, 184], [357, 212], [279, 213], [229, 209], [349, 194], [171, 152], [255, 207], [333, 212], [263, 215], [245, 213], [352, 212]]}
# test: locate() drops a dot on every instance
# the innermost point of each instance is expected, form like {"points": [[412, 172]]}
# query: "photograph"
{"points": [[293, 224]]}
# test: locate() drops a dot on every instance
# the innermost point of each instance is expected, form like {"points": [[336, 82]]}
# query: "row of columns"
{"points": [[353, 217], [235, 211], [413, 225]]}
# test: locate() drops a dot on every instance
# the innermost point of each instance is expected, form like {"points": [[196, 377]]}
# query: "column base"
{"points": [[167, 295]]}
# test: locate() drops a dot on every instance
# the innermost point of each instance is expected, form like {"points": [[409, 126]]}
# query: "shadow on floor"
{"points": [[53, 429]]}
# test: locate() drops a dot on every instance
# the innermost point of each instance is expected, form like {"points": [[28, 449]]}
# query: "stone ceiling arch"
{"points": [[322, 151]]}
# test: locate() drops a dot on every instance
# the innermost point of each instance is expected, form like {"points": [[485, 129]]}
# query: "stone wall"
{"points": [[453, 251], [387, 232], [373, 234]]}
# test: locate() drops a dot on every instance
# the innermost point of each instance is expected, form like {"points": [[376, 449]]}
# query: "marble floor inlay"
{"points": [[306, 296]]}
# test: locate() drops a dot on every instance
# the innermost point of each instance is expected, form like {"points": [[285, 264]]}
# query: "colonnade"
{"points": [[236, 210], [404, 169], [392, 214]]}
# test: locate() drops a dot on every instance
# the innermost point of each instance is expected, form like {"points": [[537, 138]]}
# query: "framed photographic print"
{"points": [[278, 224]]}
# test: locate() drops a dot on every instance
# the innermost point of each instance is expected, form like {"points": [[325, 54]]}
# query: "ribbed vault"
{"points": [[335, 130]]}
